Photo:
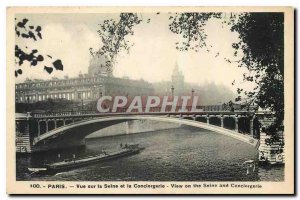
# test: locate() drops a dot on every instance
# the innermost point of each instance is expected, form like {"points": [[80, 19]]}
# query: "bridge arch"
{"points": [[244, 124], [201, 119], [229, 122], [43, 127], [77, 131], [51, 125], [68, 121], [214, 120], [59, 123], [188, 118]]}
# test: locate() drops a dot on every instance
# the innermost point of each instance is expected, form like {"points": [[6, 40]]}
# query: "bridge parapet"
{"points": [[94, 113]]}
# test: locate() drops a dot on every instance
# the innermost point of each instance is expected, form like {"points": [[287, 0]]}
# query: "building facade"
{"points": [[88, 87]]}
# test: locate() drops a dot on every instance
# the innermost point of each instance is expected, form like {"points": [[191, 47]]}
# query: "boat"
{"points": [[37, 170], [69, 164]]}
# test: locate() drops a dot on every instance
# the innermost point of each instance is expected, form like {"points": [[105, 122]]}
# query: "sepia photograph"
{"points": [[151, 97]]}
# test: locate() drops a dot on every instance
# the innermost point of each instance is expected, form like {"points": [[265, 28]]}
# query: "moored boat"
{"points": [[80, 162]]}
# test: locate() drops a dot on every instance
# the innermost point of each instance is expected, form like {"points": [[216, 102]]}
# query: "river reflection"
{"points": [[182, 154]]}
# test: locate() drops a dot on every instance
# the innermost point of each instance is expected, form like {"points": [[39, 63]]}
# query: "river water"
{"points": [[182, 154]]}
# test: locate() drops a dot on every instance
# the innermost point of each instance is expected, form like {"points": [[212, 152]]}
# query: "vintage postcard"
{"points": [[150, 100]]}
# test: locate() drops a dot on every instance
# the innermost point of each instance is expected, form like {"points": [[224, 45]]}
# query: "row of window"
{"points": [[42, 97], [58, 82], [72, 82]]}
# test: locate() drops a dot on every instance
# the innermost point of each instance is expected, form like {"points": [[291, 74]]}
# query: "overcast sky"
{"points": [[69, 36]]}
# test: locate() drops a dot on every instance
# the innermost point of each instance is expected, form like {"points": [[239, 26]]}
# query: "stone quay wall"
{"points": [[271, 152]]}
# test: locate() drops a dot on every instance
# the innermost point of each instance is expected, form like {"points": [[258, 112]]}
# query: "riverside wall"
{"points": [[271, 152]]}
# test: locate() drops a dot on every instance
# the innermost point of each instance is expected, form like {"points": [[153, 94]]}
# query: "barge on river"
{"points": [[80, 162]]}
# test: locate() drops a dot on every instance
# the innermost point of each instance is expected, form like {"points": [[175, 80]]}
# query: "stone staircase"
{"points": [[23, 142]]}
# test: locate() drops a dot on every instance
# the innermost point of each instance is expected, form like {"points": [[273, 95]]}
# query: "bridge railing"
{"points": [[64, 113], [170, 113]]}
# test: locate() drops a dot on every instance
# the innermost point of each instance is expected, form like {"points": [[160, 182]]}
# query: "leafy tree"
{"points": [[261, 42], [26, 31], [49, 105], [113, 35], [191, 27]]}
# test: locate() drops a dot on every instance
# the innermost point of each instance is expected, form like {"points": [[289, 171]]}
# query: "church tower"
{"points": [[177, 80], [98, 66]]}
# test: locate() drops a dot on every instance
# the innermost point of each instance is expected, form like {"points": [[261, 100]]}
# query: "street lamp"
{"points": [[193, 91], [172, 89]]}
